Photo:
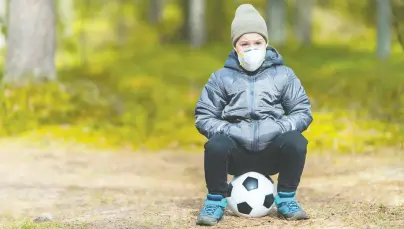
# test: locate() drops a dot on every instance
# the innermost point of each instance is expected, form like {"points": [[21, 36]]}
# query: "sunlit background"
{"points": [[127, 73]]}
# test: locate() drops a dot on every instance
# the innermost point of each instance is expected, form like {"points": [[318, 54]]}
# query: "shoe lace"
{"points": [[293, 206], [210, 209]]}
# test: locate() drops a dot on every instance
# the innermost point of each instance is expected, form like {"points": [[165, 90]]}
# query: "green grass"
{"points": [[27, 224], [31, 225], [144, 99]]}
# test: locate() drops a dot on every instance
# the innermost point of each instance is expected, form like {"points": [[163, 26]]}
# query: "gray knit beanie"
{"points": [[247, 20]]}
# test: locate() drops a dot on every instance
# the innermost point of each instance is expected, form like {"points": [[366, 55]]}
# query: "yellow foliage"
{"points": [[138, 83], [146, 100], [340, 131], [172, 19]]}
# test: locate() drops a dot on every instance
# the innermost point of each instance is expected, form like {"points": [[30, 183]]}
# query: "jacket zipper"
{"points": [[254, 123]]}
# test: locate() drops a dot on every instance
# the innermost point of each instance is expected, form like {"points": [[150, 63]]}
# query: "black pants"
{"points": [[285, 155]]}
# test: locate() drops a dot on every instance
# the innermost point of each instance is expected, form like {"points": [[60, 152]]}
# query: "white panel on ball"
{"points": [[251, 195]]}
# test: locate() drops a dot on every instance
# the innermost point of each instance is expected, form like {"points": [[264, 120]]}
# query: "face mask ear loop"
{"points": [[234, 47]]}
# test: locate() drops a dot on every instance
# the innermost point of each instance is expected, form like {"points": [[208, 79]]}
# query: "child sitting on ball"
{"points": [[253, 112]]}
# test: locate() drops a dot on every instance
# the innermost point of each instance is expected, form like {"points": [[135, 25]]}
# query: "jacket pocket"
{"points": [[241, 133], [267, 132]]}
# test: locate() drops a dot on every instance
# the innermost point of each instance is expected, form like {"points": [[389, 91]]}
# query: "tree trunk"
{"points": [[197, 22], [276, 21], [184, 33], [384, 27], [398, 17], [156, 11], [3, 21], [217, 25], [31, 42], [121, 27], [304, 21], [67, 16]]}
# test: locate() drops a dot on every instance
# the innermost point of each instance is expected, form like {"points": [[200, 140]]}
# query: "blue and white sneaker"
{"points": [[288, 208], [212, 211]]}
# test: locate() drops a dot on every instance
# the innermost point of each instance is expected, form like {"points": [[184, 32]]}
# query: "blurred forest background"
{"points": [[128, 73]]}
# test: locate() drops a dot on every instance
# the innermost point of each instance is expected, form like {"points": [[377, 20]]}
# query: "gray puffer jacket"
{"points": [[253, 108]]}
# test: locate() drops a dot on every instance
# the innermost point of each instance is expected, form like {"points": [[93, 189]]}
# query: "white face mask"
{"points": [[252, 58]]}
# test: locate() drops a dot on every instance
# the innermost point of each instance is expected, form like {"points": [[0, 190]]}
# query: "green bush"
{"points": [[146, 99]]}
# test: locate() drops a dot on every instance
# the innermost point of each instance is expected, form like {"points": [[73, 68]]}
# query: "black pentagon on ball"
{"points": [[269, 200], [244, 208], [250, 183], [229, 189]]}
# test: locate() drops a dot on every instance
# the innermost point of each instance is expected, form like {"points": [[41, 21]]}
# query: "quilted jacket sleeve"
{"points": [[296, 105], [209, 108]]}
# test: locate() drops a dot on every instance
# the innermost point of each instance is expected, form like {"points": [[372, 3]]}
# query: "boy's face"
{"points": [[248, 40]]}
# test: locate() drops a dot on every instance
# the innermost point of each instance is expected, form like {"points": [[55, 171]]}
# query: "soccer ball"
{"points": [[251, 195]]}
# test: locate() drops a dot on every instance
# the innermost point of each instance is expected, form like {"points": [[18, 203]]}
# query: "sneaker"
{"points": [[288, 208], [212, 211]]}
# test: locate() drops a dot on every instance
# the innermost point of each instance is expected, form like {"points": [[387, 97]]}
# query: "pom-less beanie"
{"points": [[247, 20]]}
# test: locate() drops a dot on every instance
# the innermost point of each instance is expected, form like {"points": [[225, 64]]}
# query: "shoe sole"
{"points": [[299, 216], [206, 222]]}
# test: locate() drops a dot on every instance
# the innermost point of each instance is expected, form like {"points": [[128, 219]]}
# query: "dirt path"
{"points": [[111, 190]]}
